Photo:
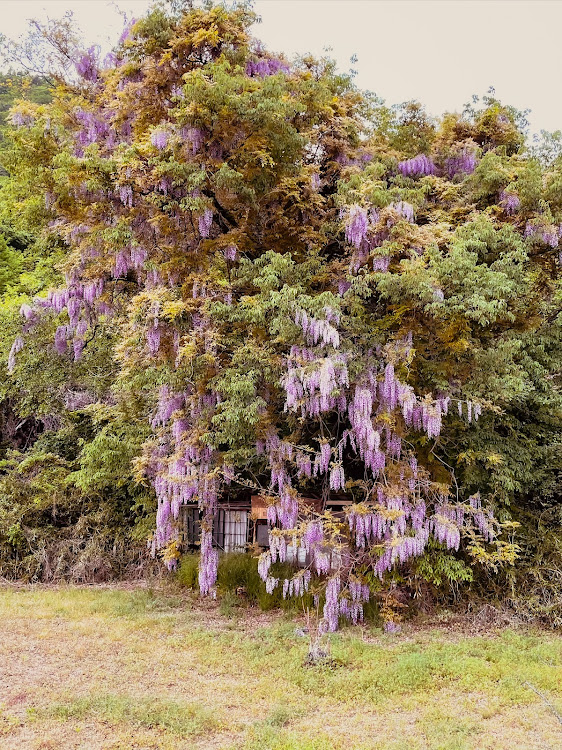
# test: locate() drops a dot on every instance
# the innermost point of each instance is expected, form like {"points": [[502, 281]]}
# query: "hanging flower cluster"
{"points": [[356, 226], [205, 221], [403, 516], [509, 202], [266, 66], [404, 209], [419, 166], [87, 65], [313, 383], [159, 138], [21, 117], [537, 230], [464, 163], [423, 166], [181, 473]]}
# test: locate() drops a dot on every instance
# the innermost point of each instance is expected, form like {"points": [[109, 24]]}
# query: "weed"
{"points": [[229, 604], [283, 714], [188, 571], [181, 719], [273, 738]]}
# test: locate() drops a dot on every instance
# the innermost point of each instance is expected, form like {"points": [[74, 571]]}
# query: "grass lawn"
{"points": [[118, 669]]}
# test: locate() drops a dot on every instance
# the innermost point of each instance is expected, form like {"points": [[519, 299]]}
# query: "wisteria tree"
{"points": [[304, 292]]}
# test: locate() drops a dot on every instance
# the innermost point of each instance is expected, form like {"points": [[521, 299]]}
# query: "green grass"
{"points": [[160, 669], [180, 718]]}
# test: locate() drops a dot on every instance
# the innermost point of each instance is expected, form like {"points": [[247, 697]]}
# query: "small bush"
{"points": [[188, 573], [238, 581], [238, 576], [535, 582]]}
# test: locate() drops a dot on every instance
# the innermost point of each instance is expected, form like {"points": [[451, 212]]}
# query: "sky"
{"points": [[439, 52]]}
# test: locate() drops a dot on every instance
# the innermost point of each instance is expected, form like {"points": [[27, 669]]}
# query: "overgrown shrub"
{"points": [[187, 573], [533, 587], [238, 582], [238, 576]]}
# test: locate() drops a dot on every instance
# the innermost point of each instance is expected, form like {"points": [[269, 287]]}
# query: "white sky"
{"points": [[437, 51]]}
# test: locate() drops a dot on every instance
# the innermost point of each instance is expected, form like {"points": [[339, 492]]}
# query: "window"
{"points": [[262, 533], [230, 528], [190, 525]]}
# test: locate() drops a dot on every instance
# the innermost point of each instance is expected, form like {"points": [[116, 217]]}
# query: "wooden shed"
{"points": [[242, 521], [231, 528]]}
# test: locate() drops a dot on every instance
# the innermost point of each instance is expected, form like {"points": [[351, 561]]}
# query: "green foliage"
{"points": [[239, 585], [533, 587], [188, 571], [238, 580], [10, 265], [15, 85], [476, 283], [178, 718], [441, 569]]}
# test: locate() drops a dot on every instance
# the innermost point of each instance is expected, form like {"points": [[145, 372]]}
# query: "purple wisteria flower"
{"points": [[183, 476], [331, 605], [482, 520], [205, 221], [94, 128], [26, 311], [138, 257], [337, 478], [343, 286], [195, 137], [509, 202], [546, 233], [126, 195], [231, 253], [122, 265], [464, 163], [318, 331], [153, 337], [77, 348], [61, 337], [381, 263], [404, 209], [87, 65], [127, 28], [419, 166], [159, 138], [20, 119], [266, 66], [356, 225]]}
